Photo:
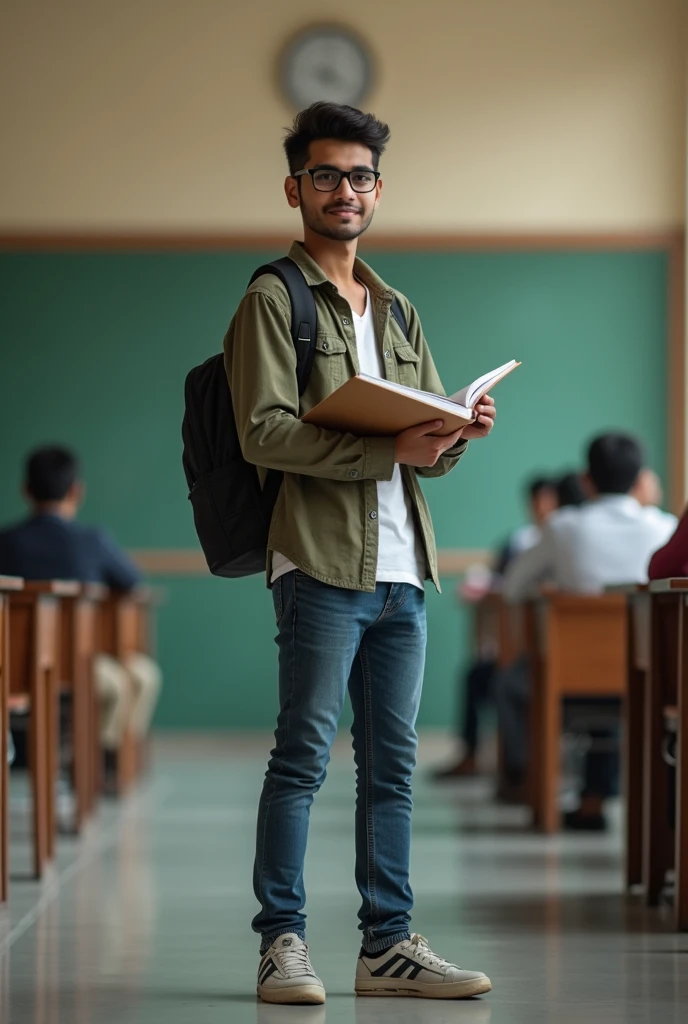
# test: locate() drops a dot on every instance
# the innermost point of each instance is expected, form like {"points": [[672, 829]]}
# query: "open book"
{"points": [[370, 406]]}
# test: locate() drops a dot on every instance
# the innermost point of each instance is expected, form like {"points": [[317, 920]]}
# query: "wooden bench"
{"points": [[8, 585], [578, 648], [34, 674]]}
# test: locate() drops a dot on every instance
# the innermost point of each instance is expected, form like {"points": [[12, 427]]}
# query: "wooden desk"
{"points": [[577, 647], [8, 584], [497, 629], [34, 672]]}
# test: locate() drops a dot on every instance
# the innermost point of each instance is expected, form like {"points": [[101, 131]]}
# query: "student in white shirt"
{"points": [[609, 540]]}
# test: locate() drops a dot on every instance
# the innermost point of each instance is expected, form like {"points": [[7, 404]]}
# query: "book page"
{"points": [[472, 393], [437, 401]]}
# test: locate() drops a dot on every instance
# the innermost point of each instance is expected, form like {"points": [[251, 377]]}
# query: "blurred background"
{"points": [[533, 208]]}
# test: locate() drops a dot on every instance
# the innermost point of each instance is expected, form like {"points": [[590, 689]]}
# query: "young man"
{"points": [[606, 541], [51, 545], [351, 543]]}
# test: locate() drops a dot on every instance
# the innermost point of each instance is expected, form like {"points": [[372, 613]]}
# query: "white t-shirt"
{"points": [[400, 556]]}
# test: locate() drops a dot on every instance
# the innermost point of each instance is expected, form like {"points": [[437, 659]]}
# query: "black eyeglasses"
{"points": [[328, 179]]}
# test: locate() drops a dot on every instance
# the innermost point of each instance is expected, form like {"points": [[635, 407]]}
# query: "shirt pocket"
{"points": [[329, 367], [407, 360]]}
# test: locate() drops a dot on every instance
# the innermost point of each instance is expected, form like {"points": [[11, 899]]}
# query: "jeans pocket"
{"points": [[278, 599]]}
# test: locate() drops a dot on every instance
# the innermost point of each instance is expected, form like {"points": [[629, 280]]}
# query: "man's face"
{"points": [[542, 504], [341, 215]]}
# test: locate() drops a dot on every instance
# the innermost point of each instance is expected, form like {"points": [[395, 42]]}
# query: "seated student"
{"points": [[571, 490], [51, 545], [477, 688], [672, 559], [606, 541]]}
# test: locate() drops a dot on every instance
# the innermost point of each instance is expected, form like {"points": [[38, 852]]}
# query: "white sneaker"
{"points": [[411, 969], [285, 974]]}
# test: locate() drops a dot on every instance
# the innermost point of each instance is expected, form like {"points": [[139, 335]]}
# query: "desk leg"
{"points": [[681, 856], [81, 738], [634, 773], [38, 753], [545, 741], [52, 761], [656, 847]]}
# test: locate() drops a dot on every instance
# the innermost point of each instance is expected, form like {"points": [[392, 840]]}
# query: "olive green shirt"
{"points": [[325, 518]]}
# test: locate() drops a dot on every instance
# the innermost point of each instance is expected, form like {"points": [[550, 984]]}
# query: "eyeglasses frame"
{"points": [[342, 174]]}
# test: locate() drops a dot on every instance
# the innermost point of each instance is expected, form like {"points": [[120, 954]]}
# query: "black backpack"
{"points": [[231, 510]]}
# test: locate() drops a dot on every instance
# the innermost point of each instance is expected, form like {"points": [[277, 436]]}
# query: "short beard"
{"points": [[343, 233]]}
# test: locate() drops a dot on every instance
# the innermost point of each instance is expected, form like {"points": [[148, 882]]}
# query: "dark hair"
{"points": [[538, 484], [50, 472], [333, 121], [570, 490], [614, 462]]}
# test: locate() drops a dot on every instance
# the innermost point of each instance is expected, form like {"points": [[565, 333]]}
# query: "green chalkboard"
{"points": [[94, 352]]}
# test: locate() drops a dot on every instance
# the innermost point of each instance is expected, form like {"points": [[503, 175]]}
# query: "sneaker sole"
{"points": [[394, 987], [297, 994]]}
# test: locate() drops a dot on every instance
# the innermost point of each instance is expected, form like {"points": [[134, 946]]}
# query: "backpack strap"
{"points": [[398, 314], [304, 317]]}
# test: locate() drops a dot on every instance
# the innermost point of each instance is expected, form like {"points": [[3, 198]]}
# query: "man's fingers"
{"points": [[486, 410], [424, 428]]}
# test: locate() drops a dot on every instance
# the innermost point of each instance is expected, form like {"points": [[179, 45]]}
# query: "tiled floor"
{"points": [[146, 920]]}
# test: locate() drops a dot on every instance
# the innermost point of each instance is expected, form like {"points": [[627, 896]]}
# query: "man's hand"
{"points": [[484, 423], [419, 447]]}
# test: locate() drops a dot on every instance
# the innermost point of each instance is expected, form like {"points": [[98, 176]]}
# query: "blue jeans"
{"points": [[374, 643]]}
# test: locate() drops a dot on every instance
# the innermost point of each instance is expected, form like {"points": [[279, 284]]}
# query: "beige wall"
{"points": [[506, 114]]}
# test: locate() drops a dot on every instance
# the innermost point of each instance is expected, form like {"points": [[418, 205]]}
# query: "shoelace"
{"points": [[420, 948], [294, 961]]}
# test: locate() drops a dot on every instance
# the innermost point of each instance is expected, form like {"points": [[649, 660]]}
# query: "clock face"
{"points": [[326, 63]]}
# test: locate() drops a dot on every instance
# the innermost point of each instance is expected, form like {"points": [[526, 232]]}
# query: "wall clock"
{"points": [[325, 62]]}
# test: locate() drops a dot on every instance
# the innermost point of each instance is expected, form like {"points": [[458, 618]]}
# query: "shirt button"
{"points": [[346, 321], [373, 514], [353, 473], [326, 345], [388, 354]]}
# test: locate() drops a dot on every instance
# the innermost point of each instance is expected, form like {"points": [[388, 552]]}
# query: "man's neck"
{"points": [[336, 259], [59, 509]]}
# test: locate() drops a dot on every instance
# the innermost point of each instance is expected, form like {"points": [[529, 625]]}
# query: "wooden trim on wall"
{"points": [[190, 561], [197, 241]]}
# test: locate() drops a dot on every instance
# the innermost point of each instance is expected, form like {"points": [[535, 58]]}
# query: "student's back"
{"points": [[606, 542], [48, 546]]}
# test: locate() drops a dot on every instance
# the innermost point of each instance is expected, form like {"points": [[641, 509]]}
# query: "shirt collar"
{"points": [[315, 275], [618, 501]]}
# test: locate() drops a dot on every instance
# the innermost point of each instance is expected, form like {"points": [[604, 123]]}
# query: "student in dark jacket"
{"points": [[672, 559], [49, 545]]}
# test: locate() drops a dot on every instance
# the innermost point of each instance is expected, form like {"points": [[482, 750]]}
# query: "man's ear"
{"points": [[291, 191], [77, 492], [378, 190], [588, 485]]}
